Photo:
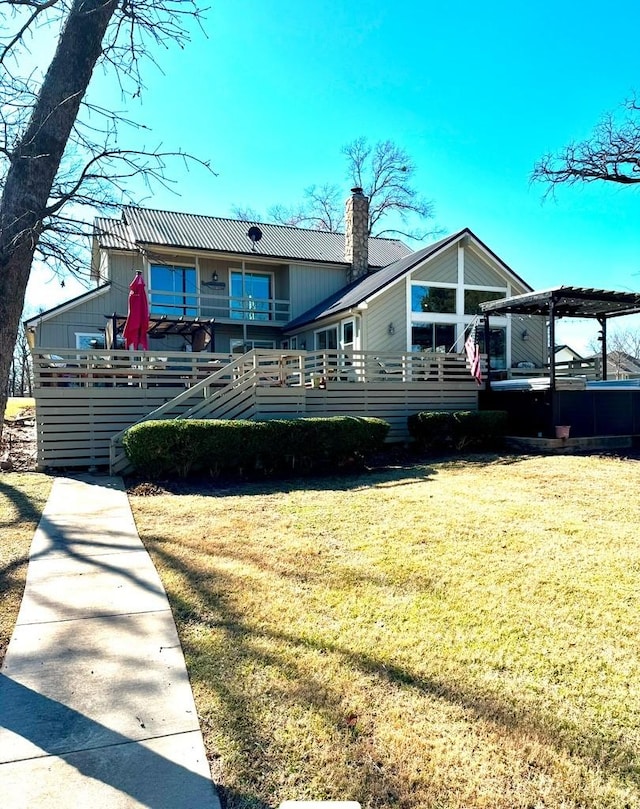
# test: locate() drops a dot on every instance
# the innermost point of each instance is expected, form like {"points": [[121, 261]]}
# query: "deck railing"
{"points": [[588, 368], [59, 367]]}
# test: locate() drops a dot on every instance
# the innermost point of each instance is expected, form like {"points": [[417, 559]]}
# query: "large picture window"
{"points": [[433, 299], [251, 295], [173, 290], [474, 297]]}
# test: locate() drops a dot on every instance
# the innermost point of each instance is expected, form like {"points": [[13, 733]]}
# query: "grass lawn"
{"points": [[463, 634], [22, 498], [15, 404]]}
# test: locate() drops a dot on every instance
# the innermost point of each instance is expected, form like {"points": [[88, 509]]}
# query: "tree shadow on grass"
{"points": [[24, 507], [246, 646]]}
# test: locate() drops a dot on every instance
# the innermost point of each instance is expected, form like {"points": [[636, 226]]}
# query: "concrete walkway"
{"points": [[96, 709]]}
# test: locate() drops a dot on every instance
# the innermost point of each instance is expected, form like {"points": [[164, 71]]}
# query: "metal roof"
{"points": [[143, 227], [363, 288], [567, 302]]}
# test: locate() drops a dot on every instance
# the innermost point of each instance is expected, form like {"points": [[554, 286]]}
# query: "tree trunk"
{"points": [[35, 162]]}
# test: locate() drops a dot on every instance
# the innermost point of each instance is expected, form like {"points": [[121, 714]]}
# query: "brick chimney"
{"points": [[356, 235]]}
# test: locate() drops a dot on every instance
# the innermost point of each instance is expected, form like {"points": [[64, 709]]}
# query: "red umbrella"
{"points": [[135, 329]]}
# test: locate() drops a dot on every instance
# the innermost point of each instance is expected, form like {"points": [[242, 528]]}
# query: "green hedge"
{"points": [[459, 430], [247, 448]]}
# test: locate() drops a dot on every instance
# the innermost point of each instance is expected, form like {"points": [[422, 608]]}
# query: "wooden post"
{"points": [[487, 348]]}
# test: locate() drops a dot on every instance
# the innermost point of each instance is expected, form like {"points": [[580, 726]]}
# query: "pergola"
{"points": [[194, 330], [557, 302]]}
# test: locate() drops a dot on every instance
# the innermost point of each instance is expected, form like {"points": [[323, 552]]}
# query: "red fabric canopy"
{"points": [[135, 329]]}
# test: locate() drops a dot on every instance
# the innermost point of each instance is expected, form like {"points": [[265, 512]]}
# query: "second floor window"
{"points": [[251, 295], [173, 290]]}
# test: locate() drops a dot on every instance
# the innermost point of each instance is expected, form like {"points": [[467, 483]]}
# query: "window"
{"points": [[474, 297], [251, 295], [327, 339], [89, 340], [242, 346], [348, 334], [433, 337], [173, 290], [433, 299]]}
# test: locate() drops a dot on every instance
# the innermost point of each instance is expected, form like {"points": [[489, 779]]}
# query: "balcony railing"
{"points": [[211, 305]]}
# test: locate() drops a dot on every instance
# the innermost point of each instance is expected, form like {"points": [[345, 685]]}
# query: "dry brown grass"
{"points": [[458, 635], [22, 498]]}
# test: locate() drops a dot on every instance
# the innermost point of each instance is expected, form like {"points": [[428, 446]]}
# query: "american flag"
{"points": [[473, 354]]}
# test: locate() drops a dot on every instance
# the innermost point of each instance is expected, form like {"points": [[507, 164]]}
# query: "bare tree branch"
{"points": [[386, 174], [611, 154], [60, 154]]}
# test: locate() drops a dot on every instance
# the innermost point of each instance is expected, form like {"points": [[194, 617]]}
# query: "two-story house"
{"points": [[343, 308]]}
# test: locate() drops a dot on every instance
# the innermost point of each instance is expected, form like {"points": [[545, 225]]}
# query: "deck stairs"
{"points": [[228, 393]]}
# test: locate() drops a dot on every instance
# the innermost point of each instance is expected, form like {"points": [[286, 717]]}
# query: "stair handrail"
{"points": [[184, 395]]}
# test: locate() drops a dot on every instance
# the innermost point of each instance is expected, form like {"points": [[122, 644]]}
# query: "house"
{"points": [[341, 308], [565, 353], [621, 365]]}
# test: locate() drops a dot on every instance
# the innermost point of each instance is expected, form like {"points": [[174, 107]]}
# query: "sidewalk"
{"points": [[96, 709]]}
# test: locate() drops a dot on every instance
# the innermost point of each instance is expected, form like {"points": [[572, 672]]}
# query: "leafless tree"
{"points": [[60, 153], [21, 375], [385, 172], [611, 153], [623, 351]]}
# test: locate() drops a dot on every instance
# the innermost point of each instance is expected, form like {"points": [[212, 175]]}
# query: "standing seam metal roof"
{"points": [[144, 226], [364, 288]]}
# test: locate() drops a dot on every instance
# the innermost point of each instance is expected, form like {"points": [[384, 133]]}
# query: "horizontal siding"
{"points": [[390, 307], [479, 272], [533, 349]]}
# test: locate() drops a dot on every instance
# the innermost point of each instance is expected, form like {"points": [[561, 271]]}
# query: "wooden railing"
{"points": [[59, 367], [325, 367], [105, 368], [589, 369]]}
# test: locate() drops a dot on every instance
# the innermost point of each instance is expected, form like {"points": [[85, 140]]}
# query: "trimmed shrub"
{"points": [[186, 447], [458, 430]]}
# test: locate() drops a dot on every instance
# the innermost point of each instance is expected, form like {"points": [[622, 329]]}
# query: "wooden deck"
{"points": [[84, 400]]}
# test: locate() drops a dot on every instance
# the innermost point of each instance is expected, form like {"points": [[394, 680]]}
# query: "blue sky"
{"points": [[475, 92]]}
